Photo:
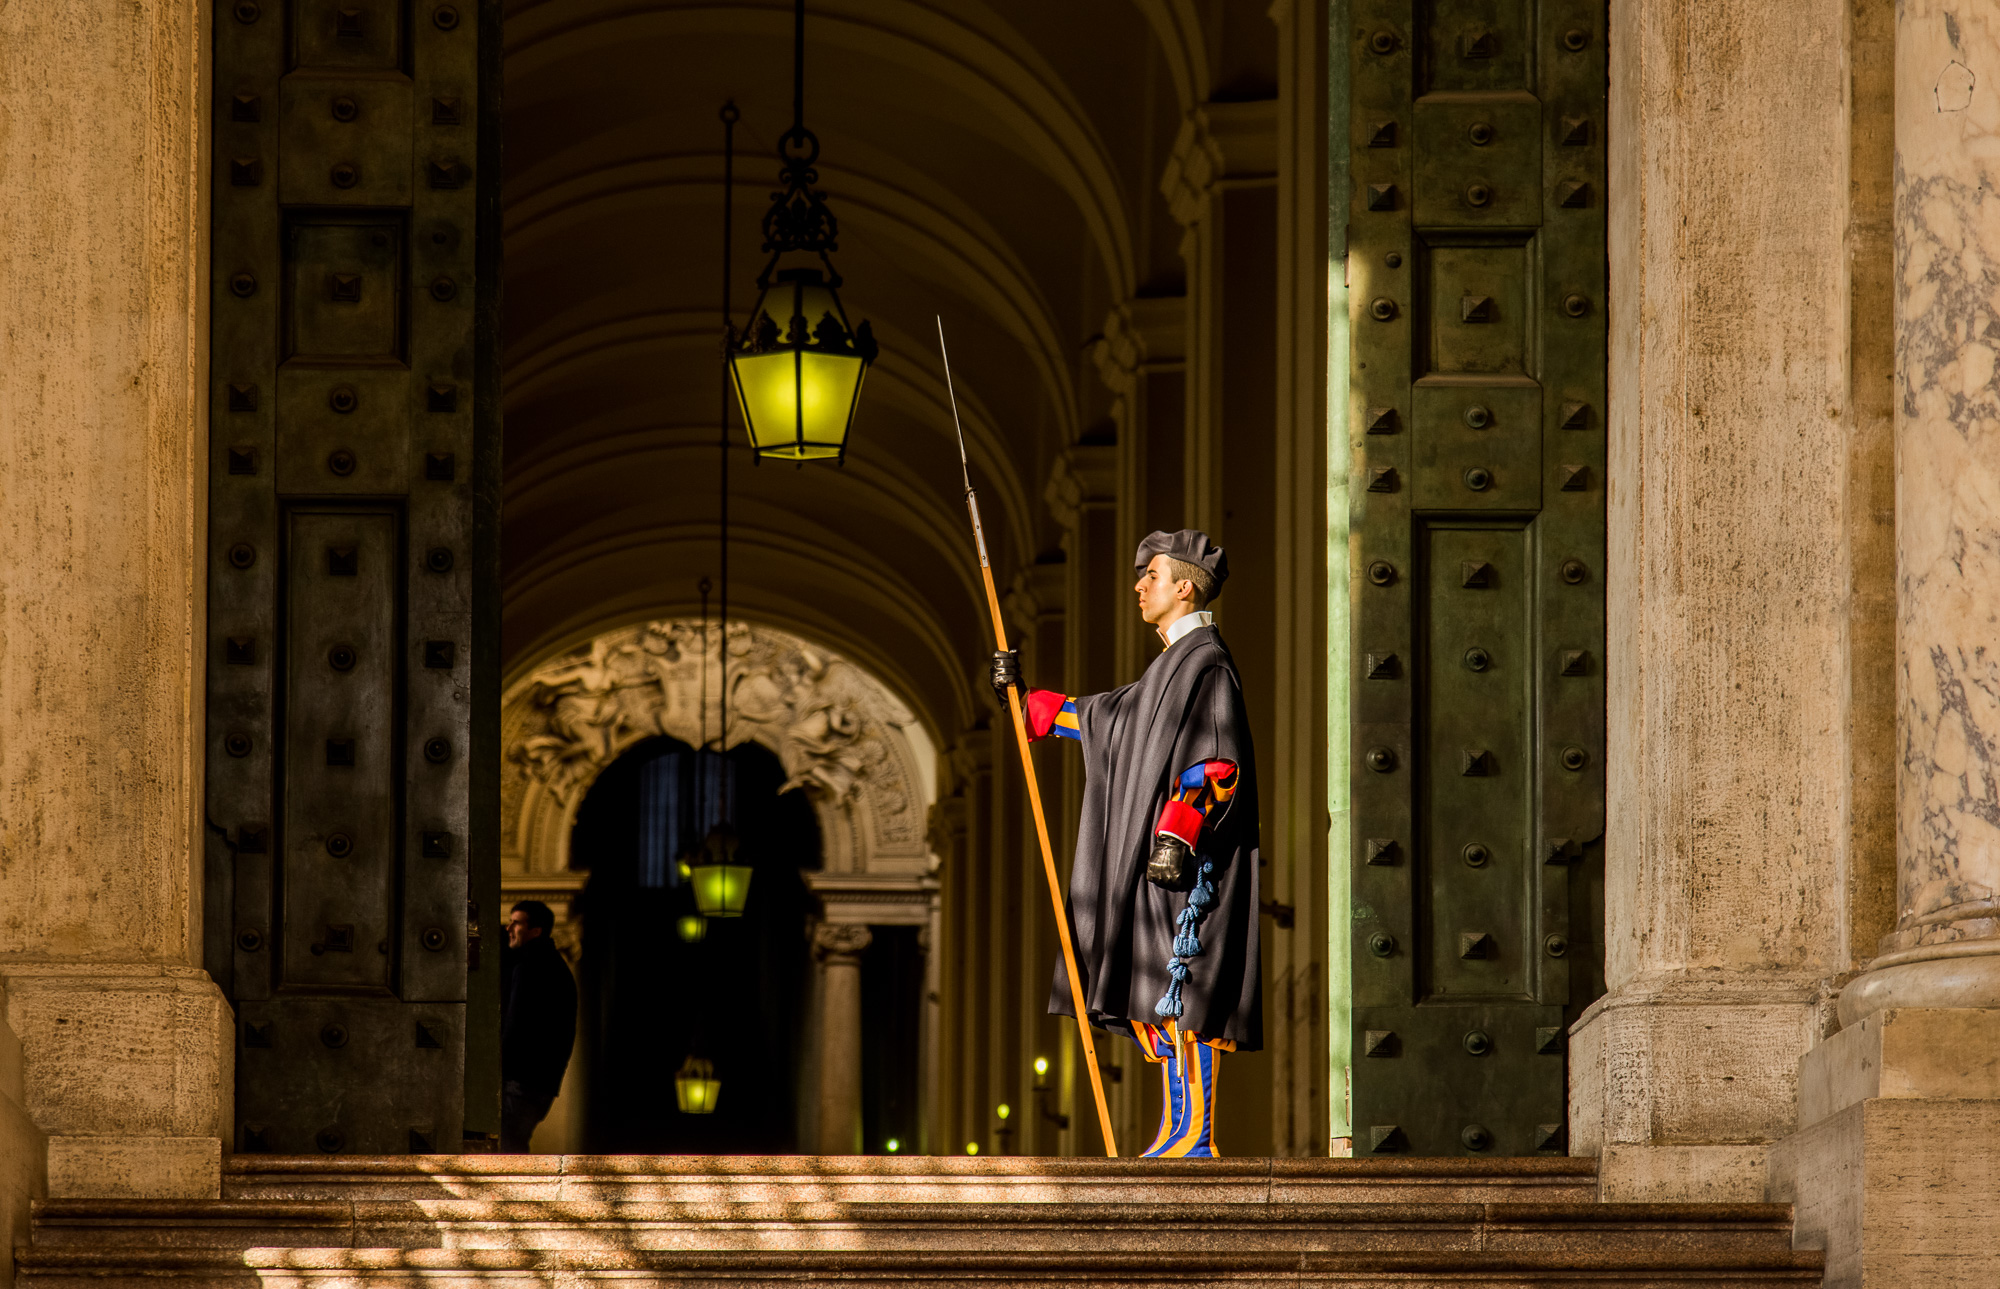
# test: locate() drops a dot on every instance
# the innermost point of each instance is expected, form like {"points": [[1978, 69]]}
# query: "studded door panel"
{"points": [[1476, 264], [350, 431]]}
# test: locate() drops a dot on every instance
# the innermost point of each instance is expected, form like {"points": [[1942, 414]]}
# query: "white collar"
{"points": [[1188, 622]]}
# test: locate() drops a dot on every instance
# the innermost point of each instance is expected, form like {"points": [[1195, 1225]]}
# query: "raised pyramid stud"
{"points": [[1575, 131], [1475, 308], [1380, 1042], [1575, 478], [1480, 44], [428, 1037], [1474, 572], [1576, 416], [1573, 194], [1476, 762], [1383, 135], [1381, 196], [1385, 1138], [1475, 944], [1382, 479], [1561, 850], [1381, 850], [1383, 666], [1381, 420], [1576, 662], [1549, 1040], [1548, 1136]]}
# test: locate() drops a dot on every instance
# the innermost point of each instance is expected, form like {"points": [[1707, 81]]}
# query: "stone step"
{"points": [[691, 1179], [745, 1221]]}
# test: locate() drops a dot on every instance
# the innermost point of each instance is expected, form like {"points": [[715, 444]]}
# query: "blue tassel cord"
{"points": [[1187, 941]]}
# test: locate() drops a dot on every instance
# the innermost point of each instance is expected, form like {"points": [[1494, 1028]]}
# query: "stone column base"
{"points": [[1895, 1171], [1678, 1085], [135, 1167], [22, 1151], [128, 1068]]}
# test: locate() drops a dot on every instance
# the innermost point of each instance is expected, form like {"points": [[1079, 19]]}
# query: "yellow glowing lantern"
{"points": [[721, 885], [693, 928], [696, 1087], [797, 369]]}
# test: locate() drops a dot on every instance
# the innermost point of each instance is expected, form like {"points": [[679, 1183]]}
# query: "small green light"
{"points": [[1003, 1110], [971, 1147], [892, 1145]]}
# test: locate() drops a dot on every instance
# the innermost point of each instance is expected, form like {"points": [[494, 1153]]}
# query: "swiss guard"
{"points": [[1163, 894]]}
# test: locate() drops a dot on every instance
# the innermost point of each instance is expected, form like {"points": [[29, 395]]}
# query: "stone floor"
{"points": [[449, 1221]]}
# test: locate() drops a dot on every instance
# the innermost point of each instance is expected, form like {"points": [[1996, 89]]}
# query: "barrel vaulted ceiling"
{"points": [[998, 164]]}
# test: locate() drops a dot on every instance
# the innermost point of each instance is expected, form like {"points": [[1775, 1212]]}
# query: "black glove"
{"points": [[1172, 863], [1006, 672]]}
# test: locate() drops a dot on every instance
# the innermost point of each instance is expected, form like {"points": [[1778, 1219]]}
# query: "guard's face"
{"points": [[1158, 592], [518, 930]]}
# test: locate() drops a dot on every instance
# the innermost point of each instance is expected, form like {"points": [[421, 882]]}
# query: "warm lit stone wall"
{"points": [[1749, 776], [124, 1042]]}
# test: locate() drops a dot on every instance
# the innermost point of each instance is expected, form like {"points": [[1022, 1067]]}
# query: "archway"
{"points": [[807, 727], [733, 991]]}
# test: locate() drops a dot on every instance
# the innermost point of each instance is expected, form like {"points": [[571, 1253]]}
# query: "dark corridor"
{"points": [[649, 998]]}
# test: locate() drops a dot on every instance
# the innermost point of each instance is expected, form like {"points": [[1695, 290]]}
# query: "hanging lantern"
{"points": [[798, 368], [696, 1087], [721, 885], [693, 928], [797, 365]]}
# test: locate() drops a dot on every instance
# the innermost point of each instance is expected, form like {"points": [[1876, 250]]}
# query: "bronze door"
{"points": [[352, 695], [1477, 273]]}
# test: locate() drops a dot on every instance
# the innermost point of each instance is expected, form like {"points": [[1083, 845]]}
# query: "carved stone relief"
{"points": [[839, 733]]}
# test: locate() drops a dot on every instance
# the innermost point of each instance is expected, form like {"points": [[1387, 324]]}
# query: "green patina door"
{"points": [[1477, 275], [352, 695]]}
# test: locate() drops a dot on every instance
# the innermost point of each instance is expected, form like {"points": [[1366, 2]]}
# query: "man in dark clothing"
{"points": [[537, 1023], [1163, 896]]}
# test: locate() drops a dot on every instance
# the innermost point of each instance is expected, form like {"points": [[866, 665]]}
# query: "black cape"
{"points": [[1187, 708]]}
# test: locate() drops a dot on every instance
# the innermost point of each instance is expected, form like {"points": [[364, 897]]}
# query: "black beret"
{"points": [[1190, 545]]}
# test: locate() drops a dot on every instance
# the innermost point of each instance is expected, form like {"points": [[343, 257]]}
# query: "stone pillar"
{"points": [[838, 947], [1894, 1164], [1037, 619], [1141, 361], [125, 1043], [1221, 186], [1293, 762], [1945, 951], [1740, 781]]}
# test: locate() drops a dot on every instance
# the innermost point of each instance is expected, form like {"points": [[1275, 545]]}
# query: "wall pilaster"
{"points": [[125, 1051], [1738, 756]]}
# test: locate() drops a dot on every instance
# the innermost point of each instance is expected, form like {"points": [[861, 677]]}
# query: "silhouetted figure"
{"points": [[537, 1023]]}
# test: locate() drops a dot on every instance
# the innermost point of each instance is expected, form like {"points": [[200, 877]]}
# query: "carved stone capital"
{"points": [[835, 941], [1219, 141], [1146, 333], [1084, 475]]}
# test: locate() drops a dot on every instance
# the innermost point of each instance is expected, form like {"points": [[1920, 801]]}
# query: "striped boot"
{"points": [[1187, 1075]]}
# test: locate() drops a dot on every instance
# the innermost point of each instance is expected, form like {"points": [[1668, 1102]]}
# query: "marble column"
{"points": [[838, 947], [124, 1054], [1945, 950]]}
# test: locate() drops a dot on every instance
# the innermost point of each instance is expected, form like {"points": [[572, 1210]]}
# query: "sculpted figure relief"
{"points": [[834, 728]]}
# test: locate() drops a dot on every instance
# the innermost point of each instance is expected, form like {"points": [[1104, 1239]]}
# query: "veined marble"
{"points": [[1948, 470]]}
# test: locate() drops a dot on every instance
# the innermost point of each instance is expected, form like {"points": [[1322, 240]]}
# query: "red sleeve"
{"points": [[1043, 706]]}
